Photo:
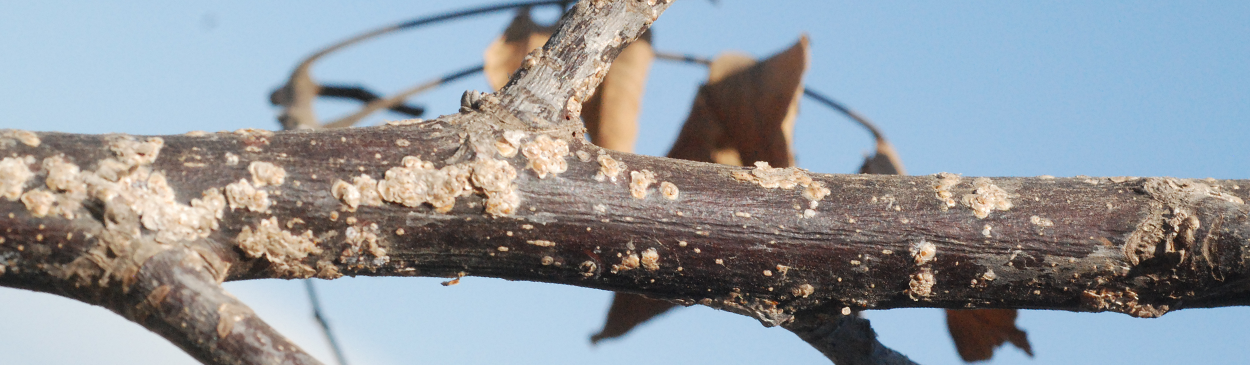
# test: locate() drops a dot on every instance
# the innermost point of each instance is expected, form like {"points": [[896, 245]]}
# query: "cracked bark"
{"points": [[1141, 246]]}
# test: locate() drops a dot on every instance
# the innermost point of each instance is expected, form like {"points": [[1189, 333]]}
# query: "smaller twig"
{"points": [[176, 295], [876, 133], [297, 94], [683, 58], [396, 99], [365, 96], [844, 339], [808, 92], [325, 326]]}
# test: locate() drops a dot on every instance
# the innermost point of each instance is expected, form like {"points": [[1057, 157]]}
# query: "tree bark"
{"points": [[148, 226]]}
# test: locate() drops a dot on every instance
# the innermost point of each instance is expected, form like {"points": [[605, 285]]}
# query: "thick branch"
{"points": [[1138, 246]]}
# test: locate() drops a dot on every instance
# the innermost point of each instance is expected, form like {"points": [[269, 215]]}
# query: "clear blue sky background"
{"points": [[974, 87]]}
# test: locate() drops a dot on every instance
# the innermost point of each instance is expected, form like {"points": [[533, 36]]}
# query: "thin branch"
{"points": [[365, 96], [325, 325], [396, 99], [685, 58], [297, 94], [427, 20], [876, 133]]}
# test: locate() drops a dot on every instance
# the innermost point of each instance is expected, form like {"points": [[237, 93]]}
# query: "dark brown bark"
{"points": [[766, 243]]}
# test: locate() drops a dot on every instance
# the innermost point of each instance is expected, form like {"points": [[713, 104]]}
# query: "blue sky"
{"points": [[973, 87]]}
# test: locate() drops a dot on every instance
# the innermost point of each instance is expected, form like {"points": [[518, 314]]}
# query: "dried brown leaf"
{"points": [[884, 162], [746, 110], [627, 312], [978, 332], [611, 114], [504, 56]]}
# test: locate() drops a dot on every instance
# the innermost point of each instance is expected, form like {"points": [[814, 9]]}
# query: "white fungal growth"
{"points": [[242, 194], [609, 168], [347, 193], [494, 178], [546, 155], [945, 182], [650, 259], [26, 137], [412, 121], [363, 242], [253, 133], [803, 290], [669, 191], [541, 243], [1042, 222], [573, 107], [128, 180], [418, 182], [771, 178], [175, 222], [588, 268], [284, 251], [67, 190], [628, 262], [368, 188], [13, 175], [639, 181], [921, 284], [38, 202], [362, 190], [784, 178], [815, 192], [923, 252], [64, 177], [264, 173], [134, 153], [509, 142], [986, 198]]}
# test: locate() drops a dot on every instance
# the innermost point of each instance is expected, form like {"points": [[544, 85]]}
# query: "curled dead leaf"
{"points": [[504, 56], [746, 110], [978, 332], [884, 162], [627, 312], [611, 114]]}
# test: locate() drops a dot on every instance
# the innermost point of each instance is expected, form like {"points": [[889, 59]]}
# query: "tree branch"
{"points": [[363, 95], [509, 189], [846, 339]]}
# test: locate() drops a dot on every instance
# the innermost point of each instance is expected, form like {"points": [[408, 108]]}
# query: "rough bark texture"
{"points": [[508, 188]]}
